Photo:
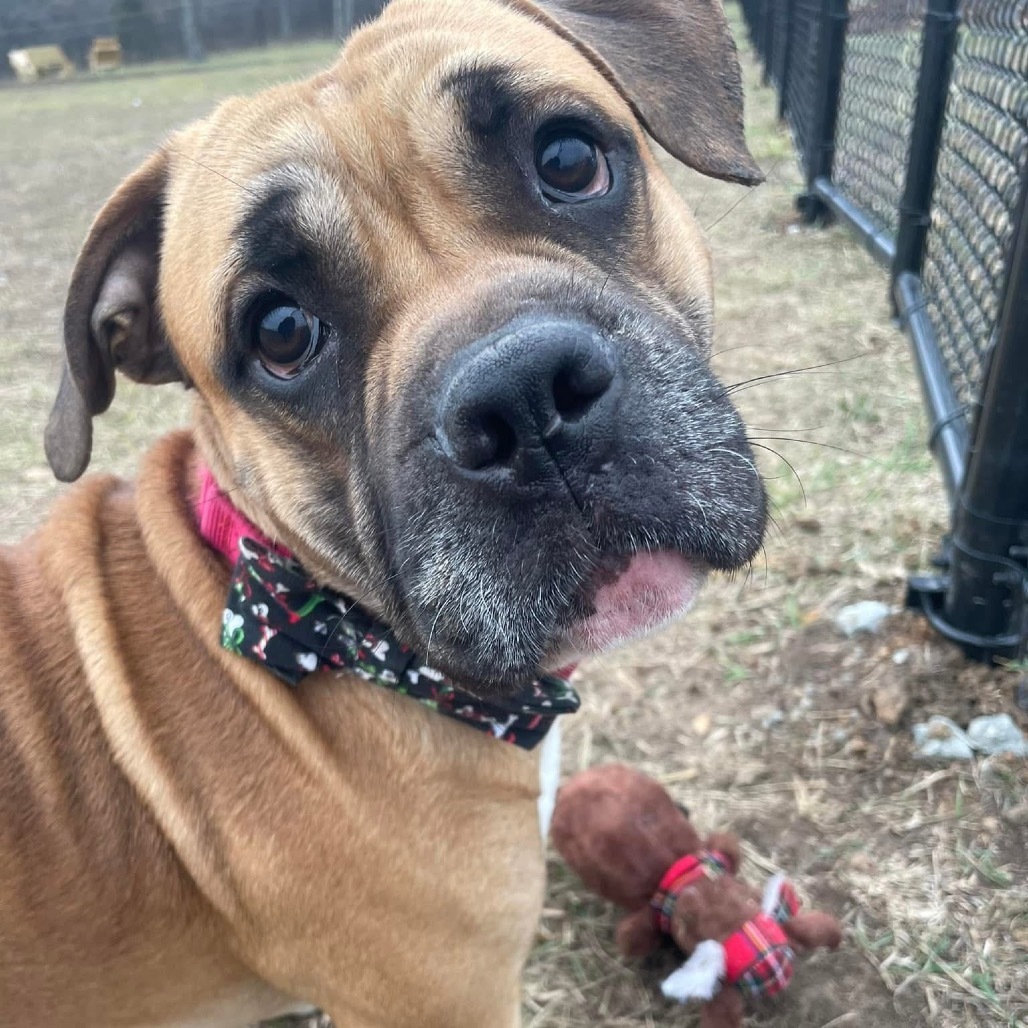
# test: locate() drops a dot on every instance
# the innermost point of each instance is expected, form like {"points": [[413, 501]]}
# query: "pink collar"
{"points": [[221, 523]]}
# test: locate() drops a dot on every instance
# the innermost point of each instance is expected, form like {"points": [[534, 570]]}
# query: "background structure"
{"points": [[152, 30], [910, 118]]}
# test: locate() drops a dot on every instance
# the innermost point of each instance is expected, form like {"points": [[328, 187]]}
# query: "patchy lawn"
{"points": [[755, 711]]}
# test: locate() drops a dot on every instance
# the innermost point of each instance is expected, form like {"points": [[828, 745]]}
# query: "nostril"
{"points": [[503, 438], [578, 387], [488, 440]]}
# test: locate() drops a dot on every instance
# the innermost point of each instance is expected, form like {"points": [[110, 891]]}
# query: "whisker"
{"points": [[817, 442], [358, 602], [431, 636], [774, 503], [717, 221], [774, 523], [213, 171], [799, 480], [761, 428], [697, 209], [732, 349], [736, 386], [749, 192]]}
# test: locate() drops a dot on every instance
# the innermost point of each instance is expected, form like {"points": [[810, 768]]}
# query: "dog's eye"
{"points": [[571, 167], [287, 337]]}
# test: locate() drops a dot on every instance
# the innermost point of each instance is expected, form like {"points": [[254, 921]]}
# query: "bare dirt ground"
{"points": [[756, 712]]}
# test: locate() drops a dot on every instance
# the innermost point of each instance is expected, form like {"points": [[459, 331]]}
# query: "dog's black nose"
{"points": [[537, 392]]}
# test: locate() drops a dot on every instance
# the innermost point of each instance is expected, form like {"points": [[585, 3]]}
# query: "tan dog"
{"points": [[446, 322]]}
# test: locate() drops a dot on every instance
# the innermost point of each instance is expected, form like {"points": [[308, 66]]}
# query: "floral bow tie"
{"points": [[277, 616]]}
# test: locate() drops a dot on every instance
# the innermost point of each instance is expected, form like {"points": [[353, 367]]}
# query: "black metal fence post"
{"points": [[783, 56], [767, 38], [819, 148], [343, 17], [751, 13], [982, 604], [939, 41], [191, 41], [948, 438]]}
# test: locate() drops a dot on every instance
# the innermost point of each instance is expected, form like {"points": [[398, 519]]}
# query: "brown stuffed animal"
{"points": [[629, 843]]}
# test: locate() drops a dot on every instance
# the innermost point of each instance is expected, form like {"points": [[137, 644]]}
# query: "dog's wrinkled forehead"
{"points": [[391, 123]]}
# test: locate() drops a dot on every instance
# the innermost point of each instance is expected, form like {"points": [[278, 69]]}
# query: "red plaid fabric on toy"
{"points": [[788, 903], [758, 958], [682, 874]]}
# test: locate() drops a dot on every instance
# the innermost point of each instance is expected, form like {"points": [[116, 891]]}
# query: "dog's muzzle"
{"points": [[566, 476]]}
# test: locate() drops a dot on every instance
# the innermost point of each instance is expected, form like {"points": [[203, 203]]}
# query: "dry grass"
{"points": [[755, 711]]}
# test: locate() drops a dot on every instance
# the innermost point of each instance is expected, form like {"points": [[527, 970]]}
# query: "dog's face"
{"points": [[448, 322]]}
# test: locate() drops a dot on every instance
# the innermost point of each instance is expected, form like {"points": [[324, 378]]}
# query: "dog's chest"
{"points": [[418, 894]]}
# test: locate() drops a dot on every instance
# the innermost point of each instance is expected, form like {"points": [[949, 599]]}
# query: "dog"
{"points": [[447, 326]]}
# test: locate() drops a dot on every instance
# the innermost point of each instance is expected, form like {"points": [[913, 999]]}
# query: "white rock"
{"points": [[866, 616], [997, 733], [940, 739]]}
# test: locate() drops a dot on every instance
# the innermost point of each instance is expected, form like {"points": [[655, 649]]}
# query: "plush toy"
{"points": [[629, 843]]}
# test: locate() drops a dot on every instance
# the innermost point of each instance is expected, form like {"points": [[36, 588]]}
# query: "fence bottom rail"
{"points": [[826, 201]]}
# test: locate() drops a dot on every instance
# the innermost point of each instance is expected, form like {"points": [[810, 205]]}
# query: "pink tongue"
{"points": [[653, 589]]}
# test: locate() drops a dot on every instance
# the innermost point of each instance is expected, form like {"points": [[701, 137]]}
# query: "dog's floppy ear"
{"points": [[675, 63], [110, 317]]}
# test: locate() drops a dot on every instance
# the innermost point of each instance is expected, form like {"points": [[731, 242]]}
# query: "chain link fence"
{"points": [[800, 71], [982, 162], [876, 106], [910, 119]]}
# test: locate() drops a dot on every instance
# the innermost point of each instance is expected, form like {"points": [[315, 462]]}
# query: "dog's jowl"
{"points": [[446, 323]]}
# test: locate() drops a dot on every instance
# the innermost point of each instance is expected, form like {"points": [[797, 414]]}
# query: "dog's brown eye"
{"points": [[572, 167], [287, 338]]}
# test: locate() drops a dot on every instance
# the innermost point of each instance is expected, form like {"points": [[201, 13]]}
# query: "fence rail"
{"points": [[910, 119]]}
